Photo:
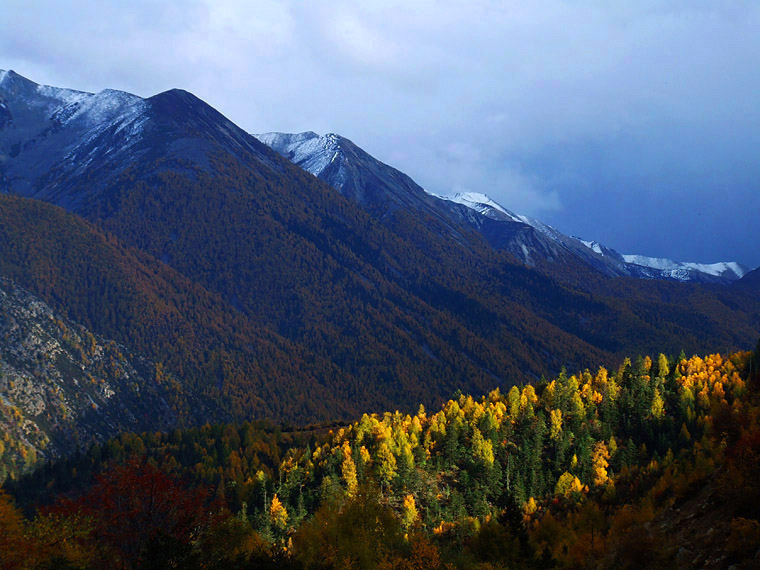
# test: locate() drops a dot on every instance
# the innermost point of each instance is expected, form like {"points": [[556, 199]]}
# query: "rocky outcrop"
{"points": [[62, 387]]}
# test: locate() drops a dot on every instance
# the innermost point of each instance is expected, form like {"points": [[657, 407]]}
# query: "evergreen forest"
{"points": [[596, 469]]}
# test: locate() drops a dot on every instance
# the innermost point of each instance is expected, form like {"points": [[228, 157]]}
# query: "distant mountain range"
{"points": [[255, 289], [356, 174]]}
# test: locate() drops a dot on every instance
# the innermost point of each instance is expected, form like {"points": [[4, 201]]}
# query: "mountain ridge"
{"points": [[328, 156]]}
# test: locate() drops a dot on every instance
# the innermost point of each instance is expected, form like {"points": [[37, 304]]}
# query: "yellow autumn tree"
{"points": [[555, 429], [278, 514], [663, 367], [600, 457], [386, 465], [409, 512], [529, 509], [567, 484], [348, 470], [513, 399], [658, 405], [482, 449]]}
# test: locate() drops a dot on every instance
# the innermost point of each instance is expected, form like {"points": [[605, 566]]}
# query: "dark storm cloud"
{"points": [[631, 123]]}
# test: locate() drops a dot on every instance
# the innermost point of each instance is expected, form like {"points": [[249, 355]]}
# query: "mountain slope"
{"points": [[354, 173], [61, 388], [654, 296], [67, 147], [218, 362], [604, 258]]}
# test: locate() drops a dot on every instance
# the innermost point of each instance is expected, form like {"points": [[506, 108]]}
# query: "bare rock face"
{"points": [[62, 388]]}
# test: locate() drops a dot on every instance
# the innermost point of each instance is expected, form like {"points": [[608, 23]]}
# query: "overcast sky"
{"points": [[635, 123]]}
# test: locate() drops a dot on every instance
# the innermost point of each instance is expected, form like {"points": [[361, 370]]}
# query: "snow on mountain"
{"points": [[728, 269], [482, 204], [63, 106], [664, 268], [102, 107], [303, 147], [354, 173], [55, 133], [63, 96], [592, 245], [310, 151], [123, 112]]}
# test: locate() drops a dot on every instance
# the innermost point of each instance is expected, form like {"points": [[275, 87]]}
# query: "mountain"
{"points": [[686, 271], [638, 266], [69, 147], [355, 174], [535, 243], [382, 321], [266, 292], [57, 133], [383, 189]]}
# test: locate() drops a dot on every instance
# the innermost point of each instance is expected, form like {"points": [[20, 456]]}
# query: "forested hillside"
{"points": [[589, 470], [200, 341]]}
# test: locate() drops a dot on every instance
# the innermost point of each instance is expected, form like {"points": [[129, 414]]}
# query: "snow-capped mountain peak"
{"points": [[483, 204], [681, 269], [100, 108], [310, 151], [63, 132], [61, 95], [636, 265], [592, 245]]}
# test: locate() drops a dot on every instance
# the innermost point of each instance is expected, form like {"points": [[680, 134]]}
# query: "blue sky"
{"points": [[632, 123]]}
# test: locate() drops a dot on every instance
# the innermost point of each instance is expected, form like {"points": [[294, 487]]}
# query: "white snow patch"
{"points": [[484, 204], [677, 268], [545, 229], [592, 245], [526, 255], [310, 151], [64, 96], [480, 203], [106, 110], [105, 106]]}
